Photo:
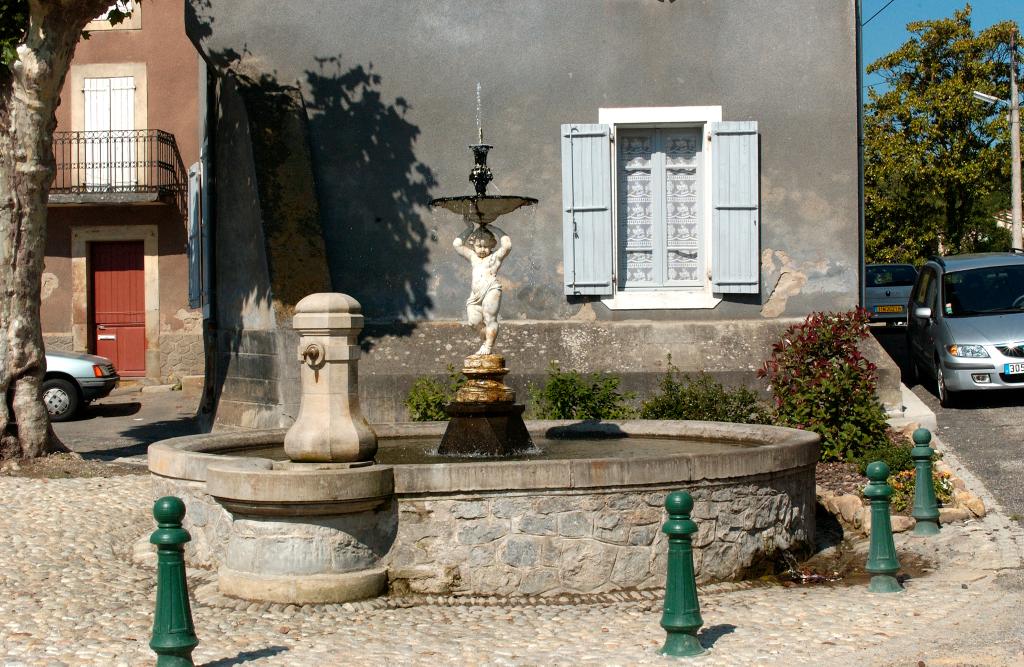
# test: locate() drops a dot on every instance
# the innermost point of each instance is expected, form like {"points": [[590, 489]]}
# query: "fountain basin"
{"points": [[541, 526]]}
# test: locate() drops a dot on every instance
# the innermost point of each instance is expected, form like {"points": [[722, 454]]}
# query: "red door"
{"points": [[119, 304]]}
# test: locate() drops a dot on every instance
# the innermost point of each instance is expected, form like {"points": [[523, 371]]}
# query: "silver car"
{"points": [[73, 380], [966, 323], [886, 291]]}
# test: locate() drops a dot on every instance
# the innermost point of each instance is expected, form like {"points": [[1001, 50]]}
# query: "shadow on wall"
{"points": [[369, 185], [315, 186]]}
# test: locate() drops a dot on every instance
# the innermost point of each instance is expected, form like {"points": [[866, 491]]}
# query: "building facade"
{"points": [[116, 278], [696, 166]]}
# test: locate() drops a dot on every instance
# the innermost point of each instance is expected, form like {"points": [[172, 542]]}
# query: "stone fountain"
{"points": [[484, 417], [333, 510]]}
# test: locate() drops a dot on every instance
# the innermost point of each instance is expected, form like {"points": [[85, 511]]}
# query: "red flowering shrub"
{"points": [[822, 383]]}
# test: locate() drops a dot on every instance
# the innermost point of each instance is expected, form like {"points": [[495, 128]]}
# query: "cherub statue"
{"points": [[485, 295]]}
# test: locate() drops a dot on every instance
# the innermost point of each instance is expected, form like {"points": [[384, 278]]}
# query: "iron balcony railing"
{"points": [[118, 162]]}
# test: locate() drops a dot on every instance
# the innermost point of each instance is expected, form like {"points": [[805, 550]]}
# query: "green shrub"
{"points": [[703, 399], [895, 454], [821, 382], [903, 484], [569, 395], [427, 397]]}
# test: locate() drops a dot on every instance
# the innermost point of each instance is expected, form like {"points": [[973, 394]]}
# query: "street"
{"points": [[125, 424], [985, 430]]}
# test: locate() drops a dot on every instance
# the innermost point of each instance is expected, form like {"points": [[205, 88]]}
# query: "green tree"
{"points": [[935, 158], [37, 42]]}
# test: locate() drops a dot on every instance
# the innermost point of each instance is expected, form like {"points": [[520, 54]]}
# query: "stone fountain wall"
{"points": [[603, 540], [558, 541]]}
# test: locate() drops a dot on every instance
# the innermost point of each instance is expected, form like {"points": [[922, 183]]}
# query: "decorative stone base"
{"points": [[485, 421], [487, 429], [309, 589]]}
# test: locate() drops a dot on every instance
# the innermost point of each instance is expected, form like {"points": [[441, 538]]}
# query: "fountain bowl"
{"points": [[586, 522], [482, 209]]}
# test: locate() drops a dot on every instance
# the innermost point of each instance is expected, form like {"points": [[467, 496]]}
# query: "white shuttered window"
{"points": [[110, 145], [685, 227]]}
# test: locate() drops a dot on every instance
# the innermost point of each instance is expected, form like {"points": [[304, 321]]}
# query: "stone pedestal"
{"points": [[484, 417], [305, 532], [330, 426]]}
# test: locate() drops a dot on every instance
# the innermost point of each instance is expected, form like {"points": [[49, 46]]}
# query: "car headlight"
{"points": [[975, 351]]}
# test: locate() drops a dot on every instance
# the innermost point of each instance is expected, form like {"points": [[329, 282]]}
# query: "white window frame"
{"points": [[643, 117]]}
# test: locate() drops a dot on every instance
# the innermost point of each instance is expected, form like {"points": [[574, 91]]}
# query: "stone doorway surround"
{"points": [[81, 236]]}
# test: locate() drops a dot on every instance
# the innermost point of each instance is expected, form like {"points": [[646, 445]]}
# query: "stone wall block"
{"points": [[469, 510], [632, 567], [646, 515], [539, 581], [625, 501], [555, 504], [506, 508], [550, 552], [494, 581], [482, 556], [575, 524], [586, 565], [642, 536], [655, 500], [481, 531], [521, 552], [705, 533], [538, 524]]}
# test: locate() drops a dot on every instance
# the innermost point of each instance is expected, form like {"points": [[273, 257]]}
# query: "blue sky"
{"points": [[887, 31]]}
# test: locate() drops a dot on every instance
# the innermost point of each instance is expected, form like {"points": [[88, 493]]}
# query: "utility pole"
{"points": [[1015, 230]]}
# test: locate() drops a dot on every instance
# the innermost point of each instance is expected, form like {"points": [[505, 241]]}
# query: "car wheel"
{"points": [[61, 399], [946, 397]]}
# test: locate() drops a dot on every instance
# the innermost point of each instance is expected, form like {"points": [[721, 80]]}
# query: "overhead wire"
{"points": [[884, 7]]}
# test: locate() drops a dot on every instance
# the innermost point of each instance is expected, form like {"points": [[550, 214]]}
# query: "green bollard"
{"points": [[882, 560], [681, 618], [926, 507], [174, 636]]}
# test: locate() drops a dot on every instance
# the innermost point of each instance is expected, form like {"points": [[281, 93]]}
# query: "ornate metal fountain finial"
{"points": [[481, 174]]}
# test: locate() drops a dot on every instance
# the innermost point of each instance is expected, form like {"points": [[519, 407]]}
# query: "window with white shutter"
{"points": [[586, 210], [661, 207], [110, 143]]}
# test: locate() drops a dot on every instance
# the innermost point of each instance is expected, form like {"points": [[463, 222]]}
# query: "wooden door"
{"points": [[119, 304]]}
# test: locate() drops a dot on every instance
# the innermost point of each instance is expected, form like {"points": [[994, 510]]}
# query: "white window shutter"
{"points": [[587, 209], [195, 240], [735, 252]]}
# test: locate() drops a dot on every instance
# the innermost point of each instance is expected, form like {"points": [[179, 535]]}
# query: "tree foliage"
{"points": [[936, 160]]}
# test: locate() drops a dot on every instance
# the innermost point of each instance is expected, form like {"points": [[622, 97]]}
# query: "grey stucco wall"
{"points": [[389, 87]]}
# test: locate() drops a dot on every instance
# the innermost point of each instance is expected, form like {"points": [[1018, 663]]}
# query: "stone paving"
{"points": [[71, 595]]}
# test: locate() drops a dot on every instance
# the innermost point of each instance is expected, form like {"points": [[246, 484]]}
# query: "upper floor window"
{"points": [[660, 207]]}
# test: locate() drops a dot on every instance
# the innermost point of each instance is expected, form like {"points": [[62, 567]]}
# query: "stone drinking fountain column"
{"points": [[484, 417], [313, 528]]}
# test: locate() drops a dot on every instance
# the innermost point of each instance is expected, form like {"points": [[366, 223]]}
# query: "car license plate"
{"points": [[1013, 369], [888, 309]]}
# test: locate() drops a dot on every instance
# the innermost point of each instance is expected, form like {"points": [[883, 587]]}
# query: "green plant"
{"points": [[895, 454], [903, 483], [682, 397], [570, 395], [427, 397], [821, 382]]}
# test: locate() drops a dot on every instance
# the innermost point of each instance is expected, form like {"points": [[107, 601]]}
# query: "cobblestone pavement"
{"points": [[70, 595]]}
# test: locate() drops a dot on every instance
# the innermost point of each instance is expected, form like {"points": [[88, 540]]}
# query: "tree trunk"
{"points": [[29, 95]]}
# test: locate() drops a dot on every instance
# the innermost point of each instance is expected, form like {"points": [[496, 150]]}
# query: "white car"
{"points": [[73, 380], [966, 324]]}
